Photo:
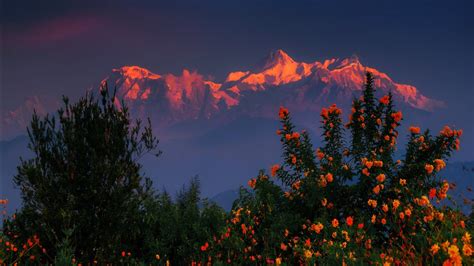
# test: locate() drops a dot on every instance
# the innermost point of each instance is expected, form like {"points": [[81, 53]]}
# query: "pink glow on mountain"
{"points": [[234, 76], [279, 68]]}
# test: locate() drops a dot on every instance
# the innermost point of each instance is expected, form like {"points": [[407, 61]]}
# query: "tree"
{"points": [[84, 183]]}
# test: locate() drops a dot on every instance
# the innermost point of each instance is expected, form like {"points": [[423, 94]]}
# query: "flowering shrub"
{"points": [[351, 204], [348, 202]]}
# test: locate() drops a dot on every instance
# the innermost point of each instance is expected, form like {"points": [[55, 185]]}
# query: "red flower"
{"points": [[204, 247], [349, 221], [385, 100]]}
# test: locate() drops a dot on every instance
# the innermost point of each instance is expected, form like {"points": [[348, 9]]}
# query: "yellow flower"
{"points": [[372, 203], [434, 249], [466, 238], [373, 219], [453, 251], [278, 261], [308, 254]]}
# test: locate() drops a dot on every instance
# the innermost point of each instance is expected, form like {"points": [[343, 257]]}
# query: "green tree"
{"points": [[84, 183]]}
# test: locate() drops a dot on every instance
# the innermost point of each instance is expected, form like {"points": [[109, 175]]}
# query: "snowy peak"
{"points": [[277, 57], [136, 72]]}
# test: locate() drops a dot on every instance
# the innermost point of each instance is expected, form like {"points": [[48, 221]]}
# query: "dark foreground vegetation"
{"points": [[86, 201]]}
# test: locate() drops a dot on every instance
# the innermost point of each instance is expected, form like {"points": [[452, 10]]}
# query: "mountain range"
{"points": [[224, 131], [276, 80]]}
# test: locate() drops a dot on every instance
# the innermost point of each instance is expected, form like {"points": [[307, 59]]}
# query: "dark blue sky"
{"points": [[62, 47]]}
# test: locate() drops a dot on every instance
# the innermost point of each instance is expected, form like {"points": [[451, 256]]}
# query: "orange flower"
{"points": [[439, 164], [395, 204], [403, 182], [429, 168], [329, 177], [349, 221], [432, 193], [275, 169], [467, 250], [296, 185], [335, 223], [365, 171], [283, 113], [376, 189], [324, 113], [317, 227], [324, 201], [385, 100], [415, 130], [401, 215], [383, 221], [293, 159], [380, 178], [434, 249], [378, 163], [408, 212], [385, 208], [319, 154], [397, 116], [283, 246], [369, 164], [252, 182]]}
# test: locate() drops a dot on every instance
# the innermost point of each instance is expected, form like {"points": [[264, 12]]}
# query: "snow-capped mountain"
{"points": [[276, 80]]}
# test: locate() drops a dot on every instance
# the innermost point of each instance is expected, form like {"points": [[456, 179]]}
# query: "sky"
{"points": [[51, 48]]}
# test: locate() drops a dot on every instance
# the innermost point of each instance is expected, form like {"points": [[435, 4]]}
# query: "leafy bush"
{"points": [[350, 204]]}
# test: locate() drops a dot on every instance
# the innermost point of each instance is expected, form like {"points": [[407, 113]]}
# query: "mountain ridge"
{"points": [[277, 80]]}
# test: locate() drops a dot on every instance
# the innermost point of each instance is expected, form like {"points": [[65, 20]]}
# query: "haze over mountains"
{"points": [[224, 131]]}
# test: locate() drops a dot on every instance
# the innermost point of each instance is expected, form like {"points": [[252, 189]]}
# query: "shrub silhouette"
{"points": [[85, 199]]}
